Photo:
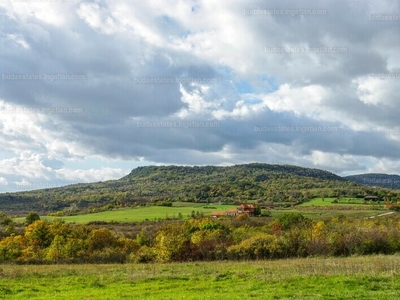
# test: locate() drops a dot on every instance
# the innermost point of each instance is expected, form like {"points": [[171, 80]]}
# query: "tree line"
{"points": [[199, 239]]}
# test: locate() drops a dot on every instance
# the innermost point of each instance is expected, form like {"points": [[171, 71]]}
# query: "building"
{"points": [[217, 214], [241, 209], [231, 212], [246, 209]]}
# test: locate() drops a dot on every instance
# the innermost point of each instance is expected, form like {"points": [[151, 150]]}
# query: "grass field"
{"points": [[160, 212], [152, 213], [375, 277], [328, 201], [140, 213]]}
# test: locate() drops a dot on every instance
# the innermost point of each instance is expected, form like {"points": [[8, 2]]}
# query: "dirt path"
{"points": [[381, 215]]}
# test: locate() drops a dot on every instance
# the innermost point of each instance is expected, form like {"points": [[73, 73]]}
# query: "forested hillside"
{"points": [[164, 184]]}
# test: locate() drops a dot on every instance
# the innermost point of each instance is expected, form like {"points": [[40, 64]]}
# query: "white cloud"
{"points": [[113, 42], [96, 17], [335, 162], [91, 175], [18, 40], [51, 12], [3, 181], [307, 100], [378, 89]]}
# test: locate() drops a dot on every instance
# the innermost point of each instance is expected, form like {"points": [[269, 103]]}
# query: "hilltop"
{"points": [[375, 179]]}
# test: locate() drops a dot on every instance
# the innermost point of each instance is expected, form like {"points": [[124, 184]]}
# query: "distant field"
{"points": [[152, 213], [327, 214], [141, 213], [328, 201], [369, 277]]}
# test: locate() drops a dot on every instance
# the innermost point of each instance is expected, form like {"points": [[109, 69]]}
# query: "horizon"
{"points": [[78, 183]]}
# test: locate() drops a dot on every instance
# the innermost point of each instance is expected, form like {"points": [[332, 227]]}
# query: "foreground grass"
{"points": [[376, 277]]}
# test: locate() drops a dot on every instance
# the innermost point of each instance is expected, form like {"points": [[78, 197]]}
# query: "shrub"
{"points": [[144, 255], [107, 256], [100, 239], [289, 220], [395, 207], [257, 247]]}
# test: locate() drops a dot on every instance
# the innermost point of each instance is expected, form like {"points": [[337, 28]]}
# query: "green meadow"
{"points": [[368, 277], [328, 202], [150, 213]]}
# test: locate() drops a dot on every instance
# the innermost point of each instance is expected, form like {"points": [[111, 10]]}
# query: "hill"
{"points": [[164, 184], [374, 179]]}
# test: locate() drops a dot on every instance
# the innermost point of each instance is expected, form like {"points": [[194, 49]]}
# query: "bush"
{"points": [[257, 247], [100, 239], [374, 242], [395, 207], [107, 256], [289, 220], [163, 203], [144, 255]]}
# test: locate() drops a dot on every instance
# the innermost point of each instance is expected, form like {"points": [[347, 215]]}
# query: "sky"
{"points": [[90, 90]]}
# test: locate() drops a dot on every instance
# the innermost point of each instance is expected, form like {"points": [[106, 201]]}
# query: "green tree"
{"points": [[56, 250], [39, 233], [169, 242], [142, 238], [288, 220], [6, 223], [257, 210], [31, 218]]}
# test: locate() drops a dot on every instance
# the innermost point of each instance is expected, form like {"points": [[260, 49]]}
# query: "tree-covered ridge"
{"points": [[241, 170], [162, 184], [373, 179]]}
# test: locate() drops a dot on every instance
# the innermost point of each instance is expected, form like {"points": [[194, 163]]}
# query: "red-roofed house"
{"points": [[241, 209], [231, 212], [218, 214], [246, 209]]}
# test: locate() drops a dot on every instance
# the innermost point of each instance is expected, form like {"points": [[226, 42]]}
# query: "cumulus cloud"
{"points": [[90, 175], [196, 82], [3, 181]]}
